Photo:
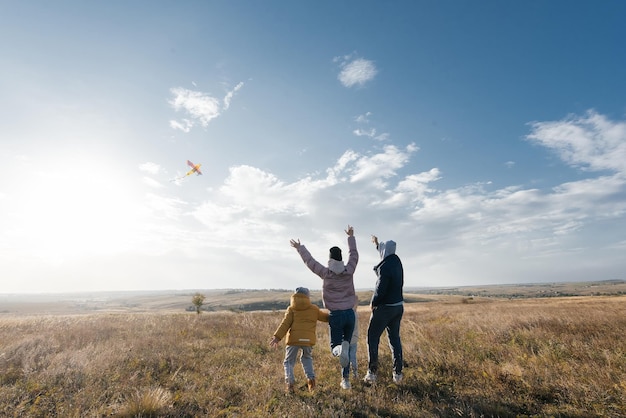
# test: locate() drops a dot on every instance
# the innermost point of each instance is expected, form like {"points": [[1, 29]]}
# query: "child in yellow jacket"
{"points": [[299, 325]]}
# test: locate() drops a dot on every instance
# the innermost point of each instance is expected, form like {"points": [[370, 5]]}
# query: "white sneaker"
{"points": [[344, 355], [369, 377], [397, 378], [345, 384]]}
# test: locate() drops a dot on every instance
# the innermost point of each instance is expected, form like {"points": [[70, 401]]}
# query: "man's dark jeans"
{"points": [[385, 318]]}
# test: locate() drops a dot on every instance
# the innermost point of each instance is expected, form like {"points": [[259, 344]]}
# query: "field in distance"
{"points": [[276, 299]]}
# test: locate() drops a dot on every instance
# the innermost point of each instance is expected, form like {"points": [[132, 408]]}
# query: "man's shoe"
{"points": [[397, 378], [345, 384], [370, 377], [290, 387]]}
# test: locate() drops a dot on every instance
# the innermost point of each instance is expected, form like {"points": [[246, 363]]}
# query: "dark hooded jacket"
{"points": [[390, 274]]}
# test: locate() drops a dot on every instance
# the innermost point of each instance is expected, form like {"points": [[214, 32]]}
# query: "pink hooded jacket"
{"points": [[338, 288]]}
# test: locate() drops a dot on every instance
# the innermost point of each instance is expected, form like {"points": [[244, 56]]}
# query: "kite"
{"points": [[195, 168]]}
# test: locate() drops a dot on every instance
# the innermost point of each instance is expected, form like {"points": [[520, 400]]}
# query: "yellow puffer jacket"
{"points": [[300, 321]]}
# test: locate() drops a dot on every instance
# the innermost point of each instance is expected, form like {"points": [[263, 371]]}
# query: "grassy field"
{"points": [[465, 357]]}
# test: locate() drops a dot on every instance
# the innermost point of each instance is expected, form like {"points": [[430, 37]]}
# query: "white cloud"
{"points": [[336, 173], [264, 206], [371, 133], [201, 107], [365, 132], [382, 166], [268, 192], [413, 188], [356, 72], [474, 216], [254, 207], [152, 182], [165, 207], [230, 94], [591, 142], [363, 118], [151, 168], [368, 132], [184, 125]]}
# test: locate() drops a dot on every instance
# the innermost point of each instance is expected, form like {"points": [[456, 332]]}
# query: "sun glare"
{"points": [[70, 211]]}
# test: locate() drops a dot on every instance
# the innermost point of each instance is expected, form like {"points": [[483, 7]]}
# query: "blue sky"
{"points": [[488, 139]]}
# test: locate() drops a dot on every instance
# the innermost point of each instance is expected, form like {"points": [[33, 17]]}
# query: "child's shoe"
{"points": [[290, 387], [311, 384], [345, 384]]}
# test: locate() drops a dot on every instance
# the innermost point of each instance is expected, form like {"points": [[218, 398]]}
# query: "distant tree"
{"points": [[198, 300]]}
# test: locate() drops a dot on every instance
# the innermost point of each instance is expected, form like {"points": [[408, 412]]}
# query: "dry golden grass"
{"points": [[561, 357]]}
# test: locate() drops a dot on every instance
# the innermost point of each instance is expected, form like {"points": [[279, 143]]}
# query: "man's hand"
{"points": [[295, 244], [375, 240], [350, 231]]}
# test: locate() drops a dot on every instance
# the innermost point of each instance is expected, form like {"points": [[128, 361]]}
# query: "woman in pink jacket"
{"points": [[338, 294]]}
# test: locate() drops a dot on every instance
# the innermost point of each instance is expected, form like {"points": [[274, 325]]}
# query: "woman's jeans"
{"points": [[341, 325]]}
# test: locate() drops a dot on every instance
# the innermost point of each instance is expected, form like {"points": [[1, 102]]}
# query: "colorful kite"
{"points": [[195, 168]]}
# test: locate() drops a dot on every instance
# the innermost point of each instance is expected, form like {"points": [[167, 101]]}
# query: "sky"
{"points": [[488, 139]]}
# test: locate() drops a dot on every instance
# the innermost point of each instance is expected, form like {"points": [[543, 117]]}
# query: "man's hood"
{"points": [[386, 248]]}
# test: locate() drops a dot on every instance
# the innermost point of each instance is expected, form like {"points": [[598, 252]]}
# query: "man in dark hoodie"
{"points": [[387, 306]]}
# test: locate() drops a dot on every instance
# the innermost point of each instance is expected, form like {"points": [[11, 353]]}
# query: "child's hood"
{"points": [[300, 302]]}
